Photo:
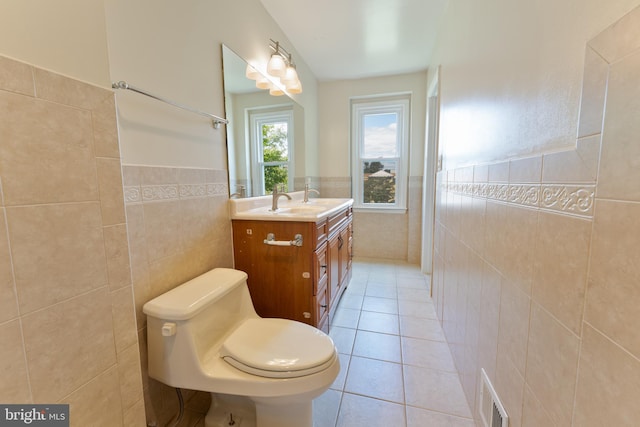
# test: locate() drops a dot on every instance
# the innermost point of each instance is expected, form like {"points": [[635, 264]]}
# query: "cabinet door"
{"points": [[343, 248], [280, 277], [322, 307], [321, 273], [334, 266], [350, 245]]}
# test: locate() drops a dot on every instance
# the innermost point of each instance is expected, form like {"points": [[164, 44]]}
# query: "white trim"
{"points": [[257, 118], [429, 175], [399, 104], [381, 210]]}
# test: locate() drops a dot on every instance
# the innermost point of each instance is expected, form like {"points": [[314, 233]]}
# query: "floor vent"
{"points": [[492, 412]]}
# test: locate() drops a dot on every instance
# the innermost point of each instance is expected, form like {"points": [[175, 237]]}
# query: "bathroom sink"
{"points": [[285, 209], [326, 201], [259, 208], [299, 210]]}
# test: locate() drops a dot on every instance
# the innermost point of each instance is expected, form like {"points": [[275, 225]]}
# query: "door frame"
{"points": [[431, 167]]}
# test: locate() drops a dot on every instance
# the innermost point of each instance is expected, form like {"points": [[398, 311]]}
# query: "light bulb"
{"points": [[290, 76], [292, 85], [262, 82], [295, 88], [251, 73], [276, 66], [275, 91]]}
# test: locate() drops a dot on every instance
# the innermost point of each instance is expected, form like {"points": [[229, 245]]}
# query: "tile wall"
{"points": [[536, 260], [399, 237], [67, 320], [179, 228]]}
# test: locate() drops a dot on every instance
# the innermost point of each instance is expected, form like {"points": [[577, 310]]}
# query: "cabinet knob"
{"points": [[323, 305]]}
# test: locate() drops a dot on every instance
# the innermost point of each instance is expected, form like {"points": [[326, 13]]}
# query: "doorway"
{"points": [[431, 167]]}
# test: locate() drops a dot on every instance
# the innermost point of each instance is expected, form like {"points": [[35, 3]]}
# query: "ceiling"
{"points": [[351, 39]]}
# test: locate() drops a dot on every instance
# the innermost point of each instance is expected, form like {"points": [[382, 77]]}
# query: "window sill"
{"points": [[362, 209]]}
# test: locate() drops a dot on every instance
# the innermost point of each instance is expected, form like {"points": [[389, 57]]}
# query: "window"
{"points": [[380, 142], [272, 150]]}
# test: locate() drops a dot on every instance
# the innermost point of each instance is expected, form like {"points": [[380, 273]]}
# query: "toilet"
{"points": [[261, 372]]}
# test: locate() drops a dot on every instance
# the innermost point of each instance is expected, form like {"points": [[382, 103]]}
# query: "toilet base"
{"points": [[239, 411], [289, 414], [227, 410]]}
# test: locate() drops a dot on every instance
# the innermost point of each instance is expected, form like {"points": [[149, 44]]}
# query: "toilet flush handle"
{"points": [[168, 329]]}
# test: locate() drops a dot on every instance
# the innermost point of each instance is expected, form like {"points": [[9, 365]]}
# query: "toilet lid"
{"points": [[278, 348]]}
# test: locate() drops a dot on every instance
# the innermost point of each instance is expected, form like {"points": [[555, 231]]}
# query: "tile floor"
{"points": [[396, 368]]}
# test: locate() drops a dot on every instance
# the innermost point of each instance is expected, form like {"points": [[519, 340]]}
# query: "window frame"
{"points": [[258, 118], [399, 104]]}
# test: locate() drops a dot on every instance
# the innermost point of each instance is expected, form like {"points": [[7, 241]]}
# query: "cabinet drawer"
{"points": [[322, 230], [322, 305], [336, 220], [321, 268]]}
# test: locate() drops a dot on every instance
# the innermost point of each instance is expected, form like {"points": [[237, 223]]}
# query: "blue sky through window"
{"points": [[380, 135]]}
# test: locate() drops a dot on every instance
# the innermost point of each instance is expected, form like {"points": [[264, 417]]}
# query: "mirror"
{"points": [[248, 108]]}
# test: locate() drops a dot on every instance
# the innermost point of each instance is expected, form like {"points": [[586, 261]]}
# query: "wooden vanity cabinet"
{"points": [[321, 288], [302, 283], [340, 243]]}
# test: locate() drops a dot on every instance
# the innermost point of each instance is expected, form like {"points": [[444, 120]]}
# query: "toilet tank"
{"points": [[188, 323]]}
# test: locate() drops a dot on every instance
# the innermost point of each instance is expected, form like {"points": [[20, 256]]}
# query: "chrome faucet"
{"points": [[241, 193], [276, 195], [308, 190]]}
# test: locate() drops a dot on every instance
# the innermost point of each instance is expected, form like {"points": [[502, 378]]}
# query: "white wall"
{"points": [[173, 49], [512, 73], [515, 284], [65, 36], [335, 115], [400, 232]]}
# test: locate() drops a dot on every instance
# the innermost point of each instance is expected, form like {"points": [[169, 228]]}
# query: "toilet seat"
{"points": [[278, 348]]}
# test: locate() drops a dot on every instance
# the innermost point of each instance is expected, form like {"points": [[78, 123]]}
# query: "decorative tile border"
{"points": [[159, 192], [218, 189], [571, 199], [156, 193], [132, 194], [193, 190], [568, 198]]}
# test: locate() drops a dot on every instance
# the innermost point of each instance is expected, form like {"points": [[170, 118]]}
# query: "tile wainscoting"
{"points": [[536, 260], [383, 235], [179, 227], [67, 323]]}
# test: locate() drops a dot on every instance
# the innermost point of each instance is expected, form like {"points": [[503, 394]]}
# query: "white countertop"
{"points": [[259, 208]]}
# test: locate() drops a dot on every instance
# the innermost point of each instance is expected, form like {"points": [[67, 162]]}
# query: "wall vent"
{"points": [[492, 412]]}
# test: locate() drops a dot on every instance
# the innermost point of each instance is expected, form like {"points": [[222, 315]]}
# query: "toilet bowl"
{"points": [[205, 335]]}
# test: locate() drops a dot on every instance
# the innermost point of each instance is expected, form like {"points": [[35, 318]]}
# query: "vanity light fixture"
{"points": [[277, 67], [263, 83], [290, 76], [251, 73], [281, 70], [275, 91]]}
